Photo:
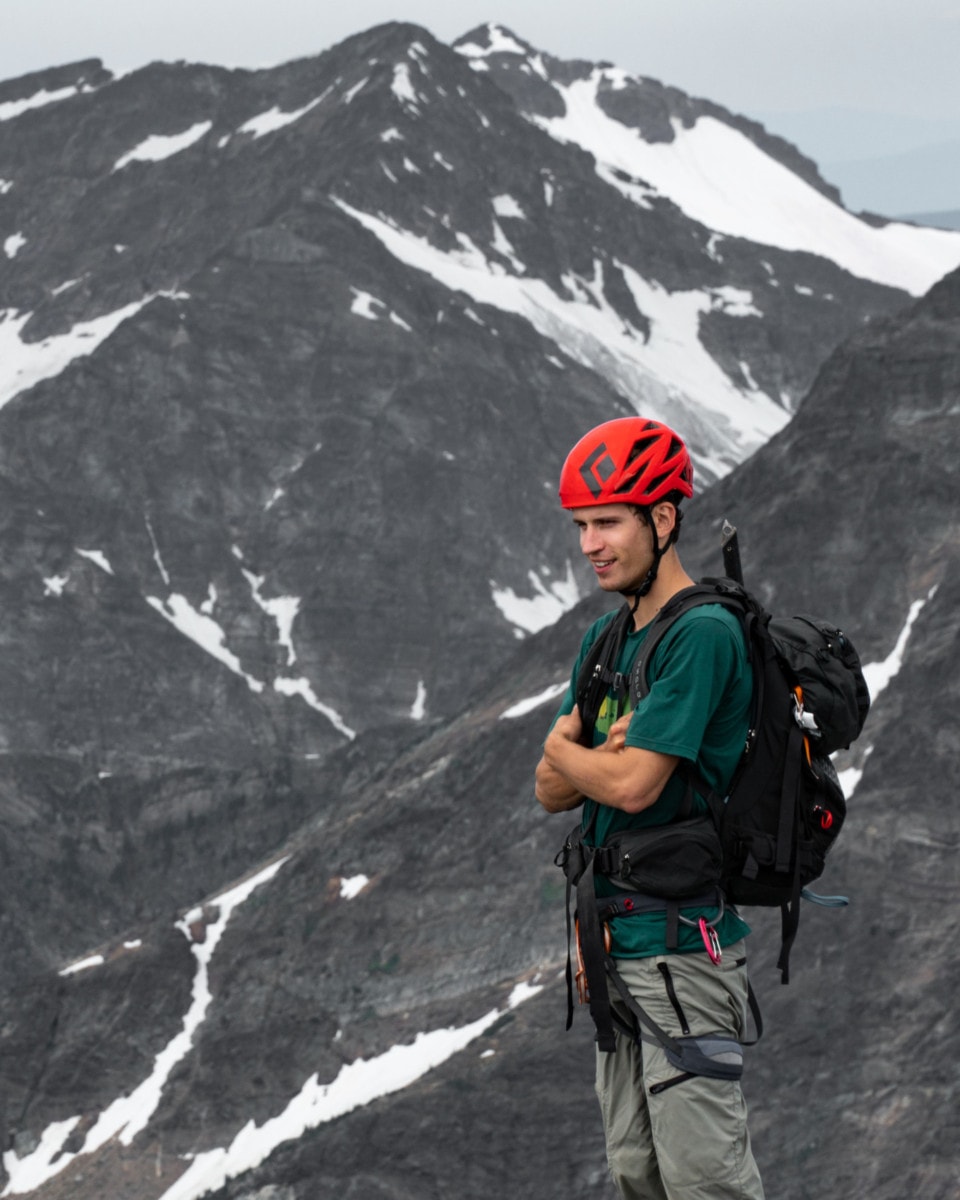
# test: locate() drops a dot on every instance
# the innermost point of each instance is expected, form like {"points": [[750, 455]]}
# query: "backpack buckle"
{"points": [[804, 717]]}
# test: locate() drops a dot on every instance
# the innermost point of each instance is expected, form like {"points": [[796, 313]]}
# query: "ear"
{"points": [[664, 518]]}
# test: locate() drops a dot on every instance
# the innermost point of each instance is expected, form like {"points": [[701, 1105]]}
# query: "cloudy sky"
{"points": [[755, 56]]}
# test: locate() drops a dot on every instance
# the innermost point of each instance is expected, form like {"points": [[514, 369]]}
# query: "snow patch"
{"points": [[419, 708], [53, 585], [366, 305], [159, 146], [522, 707], [282, 609], [720, 178], [851, 776], [529, 614], [202, 630], [748, 376], [23, 364], [878, 676], [357, 87], [304, 689], [14, 108], [502, 244], [357, 1084], [506, 206], [352, 887], [402, 87], [129, 1115], [712, 252], [14, 244], [208, 606], [94, 960], [98, 558], [274, 119], [500, 43], [157, 557], [668, 374], [734, 302]]}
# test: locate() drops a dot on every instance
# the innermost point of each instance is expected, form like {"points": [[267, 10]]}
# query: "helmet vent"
{"points": [[641, 446]]}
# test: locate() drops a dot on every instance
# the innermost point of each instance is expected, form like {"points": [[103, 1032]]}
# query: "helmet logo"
{"points": [[595, 473]]}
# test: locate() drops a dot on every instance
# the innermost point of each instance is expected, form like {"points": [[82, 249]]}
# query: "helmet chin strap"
{"points": [[641, 589]]}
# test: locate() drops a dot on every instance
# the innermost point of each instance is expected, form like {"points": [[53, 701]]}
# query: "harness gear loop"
{"points": [[583, 986]]}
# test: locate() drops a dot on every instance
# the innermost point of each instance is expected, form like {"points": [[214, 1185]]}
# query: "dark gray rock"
{"points": [[247, 436]]}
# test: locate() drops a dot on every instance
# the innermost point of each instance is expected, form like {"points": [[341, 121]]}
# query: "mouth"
{"points": [[600, 565]]}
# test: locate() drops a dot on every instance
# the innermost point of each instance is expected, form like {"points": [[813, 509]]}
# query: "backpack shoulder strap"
{"points": [[708, 591], [598, 673]]}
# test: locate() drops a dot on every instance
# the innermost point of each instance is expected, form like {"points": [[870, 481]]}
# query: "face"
{"points": [[617, 542]]}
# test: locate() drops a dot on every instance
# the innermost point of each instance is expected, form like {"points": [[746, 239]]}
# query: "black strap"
{"points": [[599, 673], [640, 1013], [679, 1050], [639, 902], [595, 959], [712, 591], [786, 839], [789, 792]]}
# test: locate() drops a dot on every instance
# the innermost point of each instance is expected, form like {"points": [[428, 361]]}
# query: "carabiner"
{"points": [[711, 942]]}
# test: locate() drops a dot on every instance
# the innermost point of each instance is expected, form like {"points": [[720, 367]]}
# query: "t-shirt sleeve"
{"points": [[691, 671]]}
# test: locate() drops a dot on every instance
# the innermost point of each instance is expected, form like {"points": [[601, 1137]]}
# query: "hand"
{"points": [[569, 727], [617, 736]]}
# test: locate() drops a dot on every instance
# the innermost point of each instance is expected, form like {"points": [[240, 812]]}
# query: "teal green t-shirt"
{"points": [[698, 708]]}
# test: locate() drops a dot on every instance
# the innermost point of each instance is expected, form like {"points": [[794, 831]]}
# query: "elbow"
{"points": [[629, 801], [639, 780], [629, 798], [633, 803]]}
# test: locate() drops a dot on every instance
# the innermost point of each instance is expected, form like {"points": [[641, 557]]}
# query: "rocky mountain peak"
{"points": [[289, 360]]}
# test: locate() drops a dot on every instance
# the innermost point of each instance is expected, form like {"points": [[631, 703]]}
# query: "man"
{"points": [[670, 1135]]}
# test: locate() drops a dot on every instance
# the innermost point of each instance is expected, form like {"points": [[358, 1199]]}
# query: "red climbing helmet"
{"points": [[627, 461]]}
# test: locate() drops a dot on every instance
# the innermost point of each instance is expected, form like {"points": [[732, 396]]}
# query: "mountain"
{"points": [[289, 362], [834, 133], [924, 179], [941, 220], [882, 162]]}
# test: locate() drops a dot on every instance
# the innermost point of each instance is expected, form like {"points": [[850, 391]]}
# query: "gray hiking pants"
{"points": [[689, 1142]]}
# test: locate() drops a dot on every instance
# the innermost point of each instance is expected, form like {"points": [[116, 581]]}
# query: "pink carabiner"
{"points": [[711, 942]]}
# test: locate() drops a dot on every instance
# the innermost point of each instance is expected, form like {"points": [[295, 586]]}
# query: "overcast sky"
{"points": [[897, 56]]}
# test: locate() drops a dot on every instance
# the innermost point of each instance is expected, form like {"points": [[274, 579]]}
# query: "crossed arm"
{"points": [[620, 776]]}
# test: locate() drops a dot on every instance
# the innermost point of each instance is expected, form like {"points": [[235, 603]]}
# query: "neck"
{"points": [[671, 578]]}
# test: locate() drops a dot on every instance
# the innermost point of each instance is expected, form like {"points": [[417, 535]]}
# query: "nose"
{"points": [[590, 540]]}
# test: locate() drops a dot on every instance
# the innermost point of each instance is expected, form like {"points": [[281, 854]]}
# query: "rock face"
{"points": [[283, 416], [341, 335]]}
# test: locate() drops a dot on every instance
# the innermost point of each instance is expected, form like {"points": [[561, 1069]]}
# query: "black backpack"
{"points": [[785, 806]]}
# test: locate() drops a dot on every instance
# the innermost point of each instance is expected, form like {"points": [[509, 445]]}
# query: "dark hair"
{"points": [[674, 498]]}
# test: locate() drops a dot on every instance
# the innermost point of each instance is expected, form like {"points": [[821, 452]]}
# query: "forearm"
{"points": [[553, 791], [630, 779]]}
